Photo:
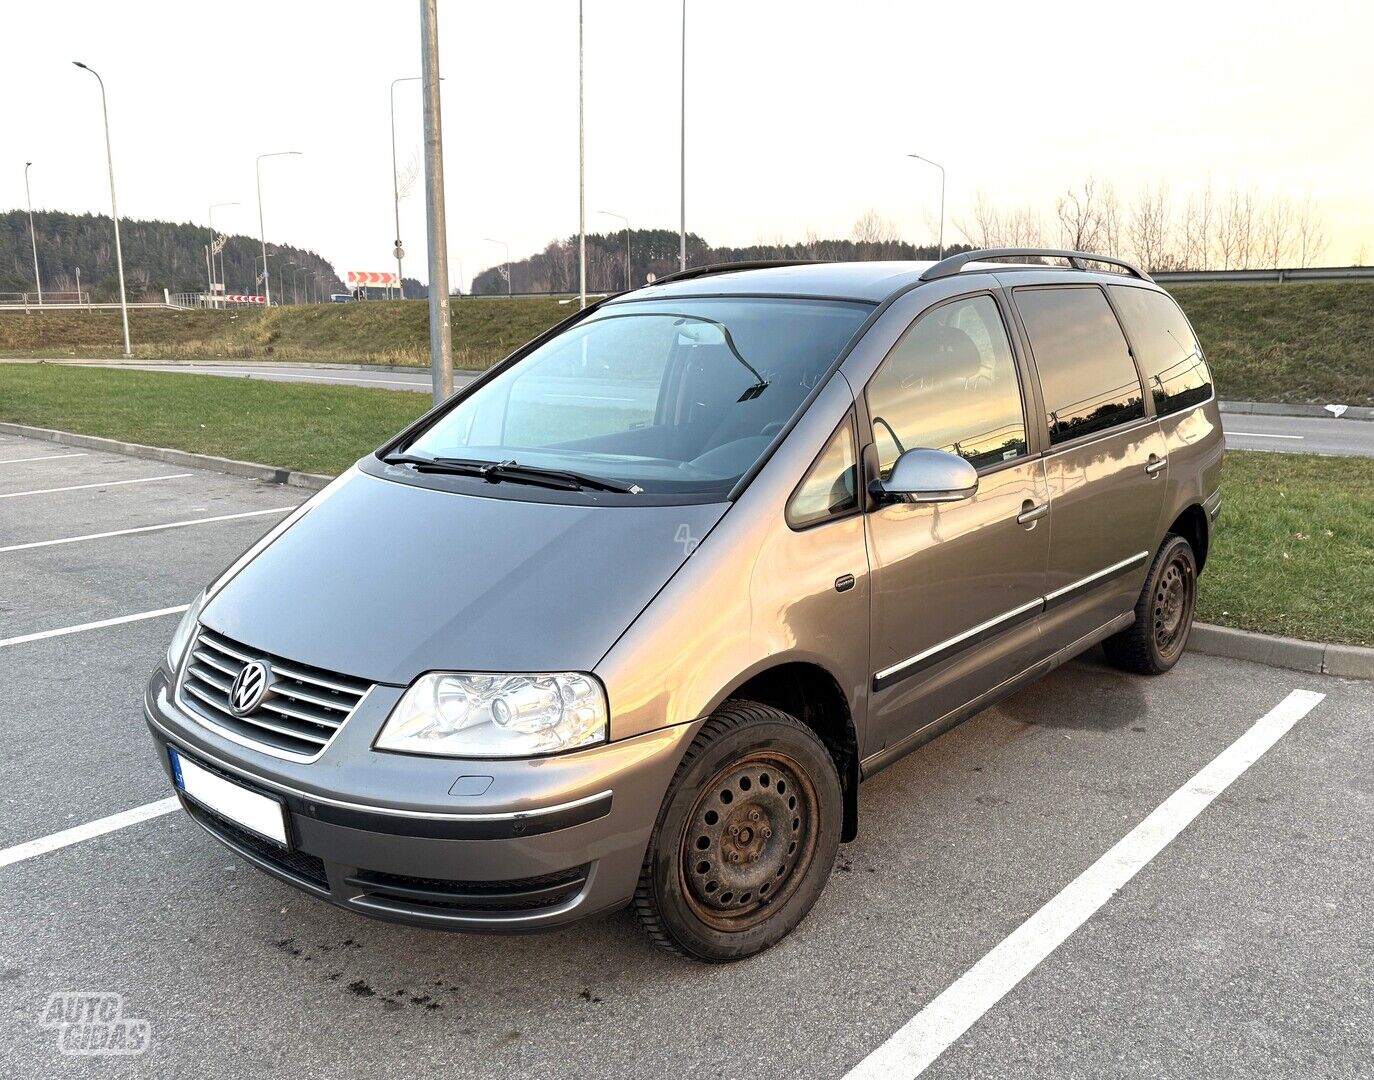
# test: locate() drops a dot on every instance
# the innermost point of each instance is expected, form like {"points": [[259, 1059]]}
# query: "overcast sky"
{"points": [[799, 114]]}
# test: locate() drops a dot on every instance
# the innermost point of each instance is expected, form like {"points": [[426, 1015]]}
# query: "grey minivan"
{"points": [[627, 619]]}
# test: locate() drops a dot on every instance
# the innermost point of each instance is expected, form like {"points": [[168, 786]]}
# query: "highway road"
{"points": [[1283, 434]]}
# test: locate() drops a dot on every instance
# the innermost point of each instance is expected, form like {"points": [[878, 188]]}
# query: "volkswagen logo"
{"points": [[249, 687]]}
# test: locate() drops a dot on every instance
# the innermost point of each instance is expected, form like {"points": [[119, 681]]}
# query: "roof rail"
{"points": [[951, 266], [726, 268]]}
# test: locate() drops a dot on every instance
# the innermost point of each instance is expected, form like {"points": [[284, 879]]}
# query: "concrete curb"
{"points": [[250, 470], [1279, 408], [1346, 661]]}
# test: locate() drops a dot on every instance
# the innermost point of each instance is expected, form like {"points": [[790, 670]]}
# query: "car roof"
{"points": [[872, 282]]}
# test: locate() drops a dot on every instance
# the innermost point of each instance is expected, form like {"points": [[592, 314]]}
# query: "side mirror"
{"points": [[927, 476]]}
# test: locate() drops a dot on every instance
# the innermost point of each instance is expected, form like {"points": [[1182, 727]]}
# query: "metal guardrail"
{"points": [[1305, 273], [34, 306]]}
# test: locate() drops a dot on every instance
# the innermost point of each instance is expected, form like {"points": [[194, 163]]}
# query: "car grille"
{"points": [[295, 864], [302, 711], [399, 892]]}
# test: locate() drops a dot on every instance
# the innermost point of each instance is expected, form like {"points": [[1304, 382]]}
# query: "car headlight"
{"points": [[186, 629], [475, 715]]}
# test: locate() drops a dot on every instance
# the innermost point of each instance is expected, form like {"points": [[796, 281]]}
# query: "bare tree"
{"points": [[1197, 231], [873, 235], [1151, 229], [1080, 218], [1311, 233], [1236, 231], [985, 226], [1111, 222], [1274, 238]]}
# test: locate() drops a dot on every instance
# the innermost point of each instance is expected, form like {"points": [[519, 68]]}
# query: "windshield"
{"points": [[669, 396]]}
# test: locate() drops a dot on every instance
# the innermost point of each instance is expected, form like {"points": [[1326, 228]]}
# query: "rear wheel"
{"points": [[746, 837], [1163, 614]]}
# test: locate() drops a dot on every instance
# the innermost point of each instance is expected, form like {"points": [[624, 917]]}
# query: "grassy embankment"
{"points": [[1296, 343], [1294, 553], [377, 332]]}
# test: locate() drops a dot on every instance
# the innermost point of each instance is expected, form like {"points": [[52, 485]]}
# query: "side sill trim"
{"points": [[996, 625], [972, 636], [1068, 592]]}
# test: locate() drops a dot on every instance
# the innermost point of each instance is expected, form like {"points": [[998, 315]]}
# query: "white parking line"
{"points": [[42, 635], [1262, 435], [91, 829], [83, 487], [935, 1028], [144, 529], [45, 457]]}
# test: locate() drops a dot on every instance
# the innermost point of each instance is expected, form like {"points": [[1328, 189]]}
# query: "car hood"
{"points": [[385, 580]]}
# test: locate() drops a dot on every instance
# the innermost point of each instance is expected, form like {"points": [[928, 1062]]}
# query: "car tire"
{"points": [[1163, 614], [745, 839]]}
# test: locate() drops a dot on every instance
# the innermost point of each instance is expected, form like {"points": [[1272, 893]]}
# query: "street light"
{"points": [[211, 215], [682, 149], [114, 207], [395, 183], [505, 245], [927, 160], [622, 217], [33, 238], [581, 175], [296, 285], [262, 231]]}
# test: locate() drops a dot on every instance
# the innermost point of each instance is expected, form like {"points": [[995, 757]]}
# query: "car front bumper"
{"points": [[496, 846]]}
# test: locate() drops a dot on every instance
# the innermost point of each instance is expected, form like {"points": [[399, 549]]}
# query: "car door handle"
{"points": [[1155, 463], [1030, 513]]}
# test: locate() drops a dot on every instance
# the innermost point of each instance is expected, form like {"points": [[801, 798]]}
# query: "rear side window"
{"points": [[1086, 372], [830, 489], [950, 384], [1164, 344]]}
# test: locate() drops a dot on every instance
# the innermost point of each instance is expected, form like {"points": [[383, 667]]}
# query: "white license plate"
{"points": [[256, 813]]}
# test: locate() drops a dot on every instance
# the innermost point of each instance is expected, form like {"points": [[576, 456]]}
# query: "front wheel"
{"points": [[746, 837], [1163, 614]]}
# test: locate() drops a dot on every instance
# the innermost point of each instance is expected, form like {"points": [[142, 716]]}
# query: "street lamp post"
{"points": [[395, 183], [296, 284], [927, 160], [505, 245], [436, 223], [114, 207], [262, 231], [581, 175], [33, 237], [682, 150], [622, 217], [211, 215]]}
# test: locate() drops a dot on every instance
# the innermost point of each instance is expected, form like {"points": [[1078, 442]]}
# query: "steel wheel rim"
{"points": [[1171, 608], [749, 841]]}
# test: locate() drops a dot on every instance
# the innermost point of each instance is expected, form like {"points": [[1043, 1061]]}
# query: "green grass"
{"points": [[1293, 552], [1311, 342], [320, 429], [379, 332], [1294, 548]]}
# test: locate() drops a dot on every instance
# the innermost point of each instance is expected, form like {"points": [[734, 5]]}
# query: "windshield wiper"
{"points": [[496, 471]]}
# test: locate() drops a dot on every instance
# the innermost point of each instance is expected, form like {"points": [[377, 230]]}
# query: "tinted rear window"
{"points": [[1086, 372], [1164, 344]]}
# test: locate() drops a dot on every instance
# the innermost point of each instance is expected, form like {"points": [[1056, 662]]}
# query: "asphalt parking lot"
{"points": [[1243, 947]]}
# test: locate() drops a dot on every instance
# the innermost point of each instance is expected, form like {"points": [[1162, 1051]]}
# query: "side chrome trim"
{"points": [[370, 808], [958, 639], [1059, 595], [975, 634]]}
